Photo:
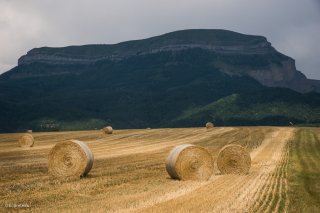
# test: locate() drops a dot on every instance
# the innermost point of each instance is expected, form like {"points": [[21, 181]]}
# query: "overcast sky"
{"points": [[292, 26]]}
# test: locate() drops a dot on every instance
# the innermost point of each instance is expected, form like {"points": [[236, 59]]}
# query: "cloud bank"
{"points": [[292, 26]]}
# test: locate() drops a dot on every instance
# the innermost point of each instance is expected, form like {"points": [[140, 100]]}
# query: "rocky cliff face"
{"points": [[280, 74], [218, 41], [233, 53]]}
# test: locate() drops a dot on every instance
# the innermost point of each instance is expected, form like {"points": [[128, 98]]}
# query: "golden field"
{"points": [[129, 174]]}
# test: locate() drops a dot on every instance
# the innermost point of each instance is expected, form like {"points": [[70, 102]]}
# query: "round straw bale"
{"points": [[189, 162], [108, 130], [209, 125], [234, 159], [70, 158], [26, 140]]}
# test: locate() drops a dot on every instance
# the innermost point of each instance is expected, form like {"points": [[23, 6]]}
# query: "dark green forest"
{"points": [[166, 89], [172, 88]]}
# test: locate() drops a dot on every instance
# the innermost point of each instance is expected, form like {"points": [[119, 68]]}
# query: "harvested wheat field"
{"points": [[129, 172]]}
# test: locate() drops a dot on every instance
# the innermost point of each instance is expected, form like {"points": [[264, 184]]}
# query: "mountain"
{"points": [[232, 53], [182, 78]]}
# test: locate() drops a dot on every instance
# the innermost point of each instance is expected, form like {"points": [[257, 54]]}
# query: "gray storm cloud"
{"points": [[292, 26]]}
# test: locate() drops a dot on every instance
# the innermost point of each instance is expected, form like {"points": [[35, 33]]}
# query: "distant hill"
{"points": [[183, 78]]}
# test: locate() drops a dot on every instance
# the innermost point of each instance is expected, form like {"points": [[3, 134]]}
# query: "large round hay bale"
{"points": [[189, 162], [234, 159], [108, 130], [209, 125], [70, 158], [26, 140]]}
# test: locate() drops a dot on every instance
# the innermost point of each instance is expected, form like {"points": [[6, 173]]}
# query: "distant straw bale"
{"points": [[71, 158], [209, 125], [26, 140], [234, 159], [108, 130], [189, 162], [29, 131]]}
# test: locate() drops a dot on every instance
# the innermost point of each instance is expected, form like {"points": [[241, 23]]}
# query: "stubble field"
{"points": [[129, 174]]}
